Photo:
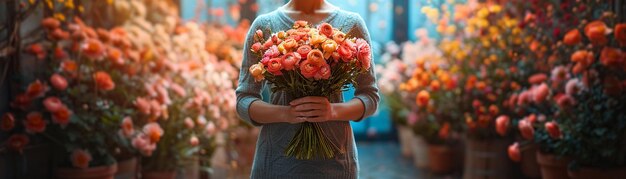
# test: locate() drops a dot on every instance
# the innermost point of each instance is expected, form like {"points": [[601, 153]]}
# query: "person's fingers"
{"points": [[308, 99], [309, 107], [309, 114]]}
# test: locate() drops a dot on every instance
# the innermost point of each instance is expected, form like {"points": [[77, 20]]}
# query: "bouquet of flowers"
{"points": [[305, 61]]}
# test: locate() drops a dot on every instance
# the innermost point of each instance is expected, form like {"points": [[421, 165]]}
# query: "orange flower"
{"points": [[8, 122], [62, 116], [537, 78], [596, 32], [81, 158], [553, 130], [58, 82], [36, 89], [17, 142], [317, 39], [493, 110], [329, 47], [326, 29], [257, 71], [585, 58], [127, 127], [52, 104], [275, 66], [93, 48], [69, 66], [316, 57], [50, 23], [572, 37], [299, 24], [153, 131], [481, 86], [620, 33], [58, 34], [34, 123], [514, 153], [502, 124], [435, 85], [103, 81], [611, 57], [290, 44], [115, 56], [422, 98]]}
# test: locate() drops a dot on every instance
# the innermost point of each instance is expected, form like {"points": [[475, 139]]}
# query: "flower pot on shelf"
{"points": [[127, 169], [487, 159], [419, 149], [404, 138], [552, 167], [441, 159], [588, 172], [158, 174], [529, 165], [101, 172]]}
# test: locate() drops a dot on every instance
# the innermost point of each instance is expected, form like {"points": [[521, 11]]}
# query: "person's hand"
{"points": [[312, 109]]}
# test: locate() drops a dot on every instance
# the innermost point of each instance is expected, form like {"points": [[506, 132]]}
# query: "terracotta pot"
{"points": [[528, 164], [441, 159], [585, 172], [158, 174], [420, 152], [486, 159], [101, 172], [405, 139], [127, 169], [552, 167]]}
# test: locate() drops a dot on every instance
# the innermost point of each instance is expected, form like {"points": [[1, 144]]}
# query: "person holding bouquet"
{"points": [[318, 50]]}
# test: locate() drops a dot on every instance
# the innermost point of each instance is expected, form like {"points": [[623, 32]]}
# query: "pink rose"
{"points": [[345, 52], [142, 143], [540, 93], [153, 131], [275, 66], [326, 29], [257, 47], [309, 69], [291, 61], [364, 54], [127, 127], [58, 82], [143, 105], [189, 124], [304, 51], [53, 104], [323, 72], [81, 158], [272, 52], [559, 74]]}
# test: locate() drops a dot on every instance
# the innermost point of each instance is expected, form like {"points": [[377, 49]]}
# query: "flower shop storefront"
{"points": [[468, 88]]}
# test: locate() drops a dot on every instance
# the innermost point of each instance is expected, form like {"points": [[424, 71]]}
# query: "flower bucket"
{"points": [[405, 139], [486, 159], [441, 159], [588, 172], [126, 169], [158, 174], [419, 149], [552, 167], [528, 164], [101, 172]]}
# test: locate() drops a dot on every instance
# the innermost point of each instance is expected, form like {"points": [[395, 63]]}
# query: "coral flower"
{"points": [[103, 81], [17, 142], [37, 50], [620, 34], [7, 123], [194, 141], [62, 116], [52, 104], [514, 153], [81, 158], [58, 82], [326, 29], [422, 98], [502, 125], [565, 101], [36, 89], [572, 37], [114, 55], [345, 52], [323, 72], [611, 57], [540, 93], [50, 23], [34, 123], [291, 61], [274, 66], [69, 66], [154, 131], [583, 57], [21, 101], [257, 47], [142, 143], [364, 54], [596, 32], [93, 48], [316, 56], [189, 124], [526, 129], [309, 68], [304, 51], [143, 105], [553, 130], [127, 127], [537, 78]]}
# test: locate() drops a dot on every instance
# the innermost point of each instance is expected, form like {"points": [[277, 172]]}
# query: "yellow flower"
{"points": [[495, 9], [482, 13]]}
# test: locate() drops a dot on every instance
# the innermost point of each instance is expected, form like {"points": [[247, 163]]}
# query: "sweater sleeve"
{"points": [[249, 90], [366, 88]]}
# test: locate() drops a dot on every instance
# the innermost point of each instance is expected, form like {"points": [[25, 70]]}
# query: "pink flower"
{"points": [[142, 143], [412, 118], [309, 69], [189, 124], [553, 130], [274, 66], [259, 33], [524, 97], [304, 51], [573, 86], [502, 125], [268, 44], [559, 74], [194, 141], [326, 29], [178, 90], [210, 128], [36, 89], [127, 127], [364, 54], [526, 129], [81, 158], [291, 60], [272, 52], [346, 52], [143, 105], [58, 82], [514, 153], [323, 72], [153, 131], [201, 120], [540, 93], [52, 104], [537, 78], [257, 47]]}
